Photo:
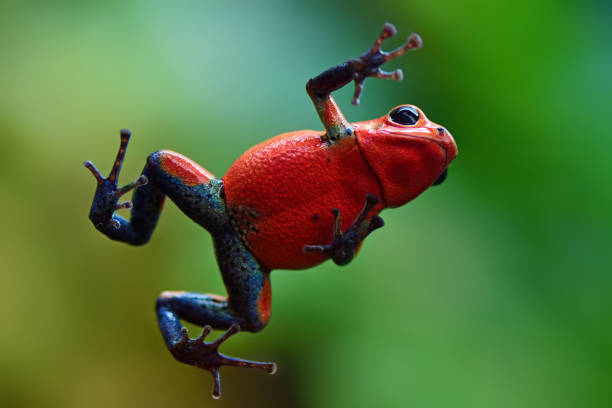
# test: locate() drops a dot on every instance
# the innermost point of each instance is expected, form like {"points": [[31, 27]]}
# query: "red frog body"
{"points": [[279, 193]]}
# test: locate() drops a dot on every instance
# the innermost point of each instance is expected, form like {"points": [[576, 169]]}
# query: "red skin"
{"points": [[280, 193], [190, 173]]}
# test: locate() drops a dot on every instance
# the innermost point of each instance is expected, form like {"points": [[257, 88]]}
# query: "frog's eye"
{"points": [[405, 115]]}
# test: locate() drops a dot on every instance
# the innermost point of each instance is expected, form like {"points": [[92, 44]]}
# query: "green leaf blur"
{"points": [[492, 290]]}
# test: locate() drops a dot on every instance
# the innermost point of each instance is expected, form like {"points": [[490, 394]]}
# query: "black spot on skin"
{"points": [[328, 160], [315, 217]]}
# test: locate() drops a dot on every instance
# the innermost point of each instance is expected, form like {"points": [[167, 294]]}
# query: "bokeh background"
{"points": [[493, 290]]}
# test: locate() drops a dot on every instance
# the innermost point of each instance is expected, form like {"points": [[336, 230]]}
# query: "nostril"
{"points": [[440, 130]]}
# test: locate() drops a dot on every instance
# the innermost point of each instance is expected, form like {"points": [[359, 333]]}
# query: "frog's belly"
{"points": [[280, 194]]}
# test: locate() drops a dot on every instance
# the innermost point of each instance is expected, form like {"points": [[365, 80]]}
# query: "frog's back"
{"points": [[280, 193]]}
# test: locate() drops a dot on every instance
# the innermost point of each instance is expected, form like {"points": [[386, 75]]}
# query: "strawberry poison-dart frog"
{"points": [[290, 202]]}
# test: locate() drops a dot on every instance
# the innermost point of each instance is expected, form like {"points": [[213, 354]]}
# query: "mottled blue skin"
{"points": [[243, 275]]}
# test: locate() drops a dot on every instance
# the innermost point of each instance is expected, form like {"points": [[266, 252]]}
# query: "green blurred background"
{"points": [[493, 290]]}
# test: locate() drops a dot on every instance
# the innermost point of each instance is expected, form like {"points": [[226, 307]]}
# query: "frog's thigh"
{"points": [[194, 190], [247, 280]]}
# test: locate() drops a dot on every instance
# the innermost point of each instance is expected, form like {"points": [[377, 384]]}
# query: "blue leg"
{"points": [[248, 307], [199, 195], [196, 193]]}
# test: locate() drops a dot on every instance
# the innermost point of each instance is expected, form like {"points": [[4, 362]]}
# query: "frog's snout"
{"points": [[445, 139]]}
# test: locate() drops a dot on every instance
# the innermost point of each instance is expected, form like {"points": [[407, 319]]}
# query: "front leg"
{"points": [[357, 69], [344, 244]]}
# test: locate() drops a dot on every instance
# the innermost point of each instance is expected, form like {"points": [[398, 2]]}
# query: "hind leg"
{"points": [[195, 191], [247, 307], [199, 196]]}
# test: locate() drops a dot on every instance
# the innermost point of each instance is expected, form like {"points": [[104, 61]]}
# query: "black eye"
{"points": [[405, 115], [441, 178]]}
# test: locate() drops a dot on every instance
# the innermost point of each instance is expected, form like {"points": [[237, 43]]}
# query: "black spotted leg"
{"points": [[368, 63], [357, 69], [205, 355], [246, 280], [107, 194], [343, 246]]}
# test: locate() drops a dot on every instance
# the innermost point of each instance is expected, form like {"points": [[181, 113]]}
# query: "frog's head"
{"points": [[407, 152]]}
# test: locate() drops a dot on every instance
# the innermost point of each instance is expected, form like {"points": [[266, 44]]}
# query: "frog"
{"points": [[290, 202]]}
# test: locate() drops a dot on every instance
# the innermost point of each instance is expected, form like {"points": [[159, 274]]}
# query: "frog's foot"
{"points": [[204, 355], [343, 246], [368, 64], [107, 193]]}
